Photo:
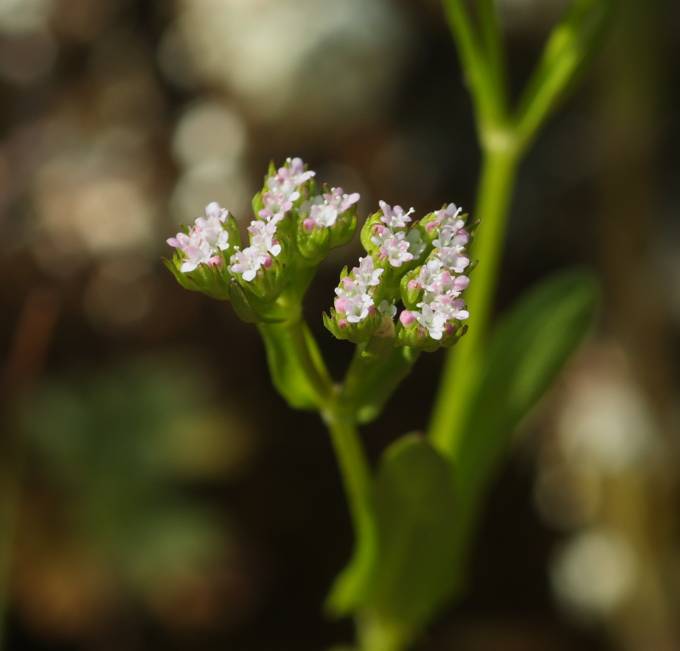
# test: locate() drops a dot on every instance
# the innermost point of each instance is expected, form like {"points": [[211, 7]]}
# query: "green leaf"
{"points": [[571, 43], [527, 350], [414, 501]]}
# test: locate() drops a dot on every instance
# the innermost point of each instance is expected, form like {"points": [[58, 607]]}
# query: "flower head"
{"points": [[282, 189], [204, 241], [439, 282]]}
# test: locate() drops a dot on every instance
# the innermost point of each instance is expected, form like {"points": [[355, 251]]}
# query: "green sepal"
{"points": [[357, 333], [410, 296], [257, 204], [212, 281], [313, 244], [241, 305], [367, 232], [417, 337], [267, 285]]}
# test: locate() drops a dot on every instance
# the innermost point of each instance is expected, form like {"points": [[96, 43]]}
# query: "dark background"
{"points": [[156, 491]]}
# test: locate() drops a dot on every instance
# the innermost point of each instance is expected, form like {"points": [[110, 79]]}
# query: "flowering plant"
{"points": [[412, 291]]}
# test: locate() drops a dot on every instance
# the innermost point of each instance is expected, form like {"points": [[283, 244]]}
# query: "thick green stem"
{"points": [[297, 368], [375, 372], [499, 169]]}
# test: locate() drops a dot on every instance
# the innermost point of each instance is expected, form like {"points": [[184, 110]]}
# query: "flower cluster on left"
{"points": [[296, 223]]}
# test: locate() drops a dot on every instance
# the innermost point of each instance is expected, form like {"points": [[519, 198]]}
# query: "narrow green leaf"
{"points": [[572, 41], [526, 352], [414, 501]]}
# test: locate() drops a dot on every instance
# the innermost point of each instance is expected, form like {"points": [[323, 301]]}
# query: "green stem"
{"points": [[378, 635], [499, 169], [295, 363], [375, 372], [357, 482], [354, 468]]}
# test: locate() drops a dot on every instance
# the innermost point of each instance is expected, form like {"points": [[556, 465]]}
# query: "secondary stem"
{"points": [[354, 469], [499, 169]]}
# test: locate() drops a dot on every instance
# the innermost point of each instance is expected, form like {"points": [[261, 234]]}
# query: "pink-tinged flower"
{"points": [[432, 319], [276, 205], [193, 248], [283, 189], [325, 209], [395, 217], [358, 308], [453, 259], [263, 237], [395, 248], [289, 178], [366, 275], [445, 216], [207, 237], [248, 262], [214, 211], [352, 301], [450, 236]]}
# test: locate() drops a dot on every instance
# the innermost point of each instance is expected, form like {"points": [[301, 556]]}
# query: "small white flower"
{"points": [[358, 307], [325, 209], [262, 237], [395, 217], [248, 262], [276, 205], [448, 214], [396, 249], [450, 236], [454, 259], [366, 275], [434, 321]]}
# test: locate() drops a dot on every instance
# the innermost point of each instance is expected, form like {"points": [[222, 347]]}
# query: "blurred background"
{"points": [[155, 492]]}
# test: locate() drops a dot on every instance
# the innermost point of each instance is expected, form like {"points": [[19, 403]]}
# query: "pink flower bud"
{"points": [[341, 304], [406, 318]]}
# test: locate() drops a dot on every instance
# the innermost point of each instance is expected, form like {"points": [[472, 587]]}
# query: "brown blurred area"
{"points": [[155, 492]]}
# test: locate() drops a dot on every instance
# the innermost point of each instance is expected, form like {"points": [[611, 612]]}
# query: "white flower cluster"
{"points": [[283, 189], [325, 209], [441, 277], [206, 239], [393, 244], [353, 296]]}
